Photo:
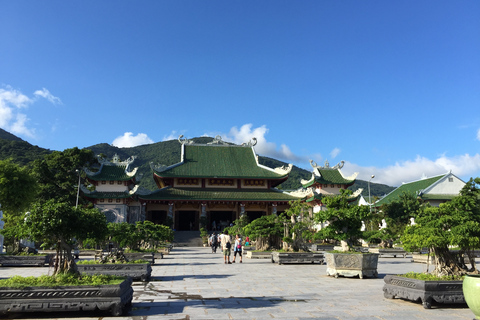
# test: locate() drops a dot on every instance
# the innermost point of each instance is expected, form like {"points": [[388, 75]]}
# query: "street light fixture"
{"points": [[369, 197], [78, 189]]}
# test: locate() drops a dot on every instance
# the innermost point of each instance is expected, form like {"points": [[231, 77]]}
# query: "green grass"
{"points": [[430, 277], [59, 280]]}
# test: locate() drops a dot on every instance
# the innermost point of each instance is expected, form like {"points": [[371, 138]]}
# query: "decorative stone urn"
{"points": [[441, 291], [471, 292], [352, 264], [114, 298]]}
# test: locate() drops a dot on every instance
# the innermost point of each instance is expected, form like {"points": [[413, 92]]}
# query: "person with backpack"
{"points": [[214, 242], [226, 246]]}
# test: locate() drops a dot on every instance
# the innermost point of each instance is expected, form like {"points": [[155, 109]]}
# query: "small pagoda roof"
{"points": [[415, 187], [328, 175], [220, 160], [114, 170], [196, 194]]}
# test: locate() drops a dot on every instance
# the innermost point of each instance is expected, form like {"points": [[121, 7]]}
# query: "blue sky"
{"points": [[391, 87]]}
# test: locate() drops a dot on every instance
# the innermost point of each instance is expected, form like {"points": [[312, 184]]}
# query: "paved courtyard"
{"points": [[193, 283]]}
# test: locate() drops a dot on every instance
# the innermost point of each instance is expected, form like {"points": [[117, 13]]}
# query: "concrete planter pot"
{"points": [[114, 298], [471, 292], [389, 252], [259, 255], [352, 264], [297, 257], [148, 256], [424, 291], [25, 261], [137, 271]]}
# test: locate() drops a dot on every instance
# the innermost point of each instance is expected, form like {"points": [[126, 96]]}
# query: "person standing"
{"points": [[237, 248], [226, 245], [214, 242]]}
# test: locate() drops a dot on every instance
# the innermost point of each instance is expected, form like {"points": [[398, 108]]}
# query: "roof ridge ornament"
{"points": [[327, 165], [250, 143], [217, 140], [185, 140]]}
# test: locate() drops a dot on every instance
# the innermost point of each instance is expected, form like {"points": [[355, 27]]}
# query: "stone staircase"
{"points": [[187, 239]]}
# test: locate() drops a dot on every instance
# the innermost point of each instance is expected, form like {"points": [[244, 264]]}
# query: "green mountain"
{"points": [[21, 152], [166, 153]]}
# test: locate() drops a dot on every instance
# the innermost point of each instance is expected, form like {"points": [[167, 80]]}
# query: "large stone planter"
{"points": [[423, 258], [137, 271], [321, 247], [296, 257], [352, 264], [259, 255], [25, 261], [388, 251], [114, 298], [471, 292], [148, 256], [424, 291]]}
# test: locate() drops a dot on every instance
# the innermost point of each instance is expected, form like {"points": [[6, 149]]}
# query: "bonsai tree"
{"points": [[58, 224], [344, 219], [298, 225], [452, 224], [141, 235], [396, 215], [238, 226], [267, 232]]}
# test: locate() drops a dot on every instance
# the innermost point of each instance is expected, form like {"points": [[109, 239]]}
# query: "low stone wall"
{"points": [[137, 271], [25, 261], [259, 255], [389, 252], [297, 257]]}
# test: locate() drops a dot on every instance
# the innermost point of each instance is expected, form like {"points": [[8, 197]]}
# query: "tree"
{"points": [[58, 224], [344, 218], [455, 223], [267, 232], [57, 176], [17, 187], [298, 225], [141, 235]]}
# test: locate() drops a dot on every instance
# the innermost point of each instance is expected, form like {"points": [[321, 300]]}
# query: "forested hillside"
{"points": [[165, 152]]}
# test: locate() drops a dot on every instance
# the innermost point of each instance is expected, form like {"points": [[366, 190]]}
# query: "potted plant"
{"points": [[56, 224], [455, 223], [344, 219]]}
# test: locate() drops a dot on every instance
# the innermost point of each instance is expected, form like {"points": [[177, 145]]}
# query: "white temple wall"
{"points": [[111, 187]]}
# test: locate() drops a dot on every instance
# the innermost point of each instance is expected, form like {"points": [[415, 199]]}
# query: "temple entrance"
{"points": [[222, 219], [252, 215], [186, 220], [157, 216]]}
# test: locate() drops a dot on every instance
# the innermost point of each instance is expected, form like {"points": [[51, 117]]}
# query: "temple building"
{"points": [[328, 181], [215, 183], [434, 190]]}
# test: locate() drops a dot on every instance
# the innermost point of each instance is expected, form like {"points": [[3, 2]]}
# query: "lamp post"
{"points": [[369, 197], [78, 189]]}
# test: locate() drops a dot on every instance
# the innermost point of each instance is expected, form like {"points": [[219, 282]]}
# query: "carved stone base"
{"points": [[424, 291], [137, 271], [25, 261], [352, 264], [114, 298], [297, 257]]}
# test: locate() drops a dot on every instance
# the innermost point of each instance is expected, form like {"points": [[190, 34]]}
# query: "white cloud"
{"points": [[172, 136], [269, 149], [334, 153], [411, 170], [128, 140], [44, 93], [11, 118]]}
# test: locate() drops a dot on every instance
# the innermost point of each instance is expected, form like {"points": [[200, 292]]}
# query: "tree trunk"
{"points": [[446, 263], [65, 262]]}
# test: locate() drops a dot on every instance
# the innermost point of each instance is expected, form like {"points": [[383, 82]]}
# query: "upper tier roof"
{"points": [[112, 171], [328, 175], [220, 161]]}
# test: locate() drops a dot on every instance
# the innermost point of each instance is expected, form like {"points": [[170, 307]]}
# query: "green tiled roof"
{"points": [[108, 195], [197, 194], [411, 187], [316, 196], [209, 161], [429, 196], [110, 173], [329, 176]]}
